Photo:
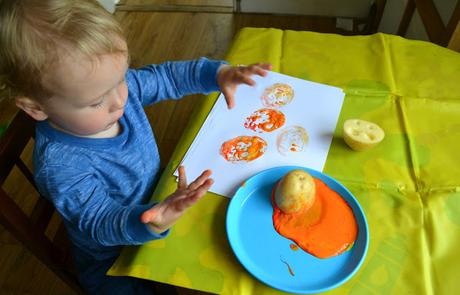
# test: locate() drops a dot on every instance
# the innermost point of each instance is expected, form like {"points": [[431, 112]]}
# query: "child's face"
{"points": [[89, 96]]}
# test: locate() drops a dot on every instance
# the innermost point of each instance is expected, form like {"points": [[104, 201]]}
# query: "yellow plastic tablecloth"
{"points": [[408, 186]]}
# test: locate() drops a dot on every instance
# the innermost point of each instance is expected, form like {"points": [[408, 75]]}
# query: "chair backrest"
{"points": [[444, 35], [30, 229]]}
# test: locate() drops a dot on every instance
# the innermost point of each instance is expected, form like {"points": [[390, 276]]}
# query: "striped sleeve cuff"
{"points": [[209, 71]]}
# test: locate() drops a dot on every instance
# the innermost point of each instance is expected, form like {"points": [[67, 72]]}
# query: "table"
{"points": [[408, 185]]}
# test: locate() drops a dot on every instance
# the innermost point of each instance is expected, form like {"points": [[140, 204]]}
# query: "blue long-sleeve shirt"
{"points": [[102, 186]]}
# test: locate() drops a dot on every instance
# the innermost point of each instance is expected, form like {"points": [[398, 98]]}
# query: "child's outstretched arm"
{"points": [[229, 77], [163, 215], [174, 80]]}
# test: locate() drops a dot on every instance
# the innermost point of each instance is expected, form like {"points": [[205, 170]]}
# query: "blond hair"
{"points": [[33, 31]]}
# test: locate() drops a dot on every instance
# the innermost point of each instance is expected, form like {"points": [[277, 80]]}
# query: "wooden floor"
{"points": [[153, 38]]}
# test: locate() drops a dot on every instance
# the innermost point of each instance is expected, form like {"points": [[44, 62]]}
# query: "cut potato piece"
{"points": [[362, 135]]}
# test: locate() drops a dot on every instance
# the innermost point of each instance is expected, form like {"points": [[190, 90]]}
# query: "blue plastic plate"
{"points": [[261, 250]]}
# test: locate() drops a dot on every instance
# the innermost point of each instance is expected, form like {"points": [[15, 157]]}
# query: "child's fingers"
{"points": [[182, 178], [260, 68], [200, 180], [193, 196], [266, 66], [244, 76], [261, 71], [228, 95], [203, 189], [199, 192], [247, 80]]}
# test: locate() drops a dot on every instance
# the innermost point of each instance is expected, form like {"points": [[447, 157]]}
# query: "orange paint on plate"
{"points": [[327, 229], [294, 247]]}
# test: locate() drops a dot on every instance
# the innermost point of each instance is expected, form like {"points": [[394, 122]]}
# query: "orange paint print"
{"points": [[327, 229], [243, 148], [277, 95], [291, 140], [265, 120]]}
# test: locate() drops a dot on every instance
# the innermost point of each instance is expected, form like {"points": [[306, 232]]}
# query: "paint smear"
{"points": [[294, 247], [289, 267], [325, 230]]}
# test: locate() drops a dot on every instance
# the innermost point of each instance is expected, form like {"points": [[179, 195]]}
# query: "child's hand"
{"points": [[162, 216], [229, 77]]}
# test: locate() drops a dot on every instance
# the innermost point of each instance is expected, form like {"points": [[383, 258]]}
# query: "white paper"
{"points": [[315, 107]]}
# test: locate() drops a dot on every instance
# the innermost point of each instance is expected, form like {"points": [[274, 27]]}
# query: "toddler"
{"points": [[66, 64]]}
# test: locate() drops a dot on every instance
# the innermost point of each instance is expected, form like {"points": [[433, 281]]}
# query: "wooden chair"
{"points": [[444, 35], [30, 229]]}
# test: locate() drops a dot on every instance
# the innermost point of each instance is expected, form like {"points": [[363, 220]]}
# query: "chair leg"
{"points": [[375, 16]]}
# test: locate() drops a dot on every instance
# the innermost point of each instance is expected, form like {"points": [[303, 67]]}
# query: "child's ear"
{"points": [[31, 107]]}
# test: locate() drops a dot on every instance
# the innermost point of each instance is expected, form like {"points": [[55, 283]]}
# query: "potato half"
{"points": [[295, 191], [362, 135]]}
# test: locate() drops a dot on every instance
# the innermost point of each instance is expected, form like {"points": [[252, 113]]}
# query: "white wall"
{"points": [[395, 8], [109, 4], [391, 18], [347, 8]]}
